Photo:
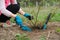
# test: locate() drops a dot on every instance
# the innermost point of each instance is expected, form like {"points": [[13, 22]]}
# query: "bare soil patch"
{"points": [[50, 33]]}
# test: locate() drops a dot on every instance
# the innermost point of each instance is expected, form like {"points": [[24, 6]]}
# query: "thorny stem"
{"points": [[34, 23], [31, 22], [54, 12], [37, 15]]}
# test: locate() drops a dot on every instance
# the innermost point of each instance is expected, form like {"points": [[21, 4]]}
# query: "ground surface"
{"points": [[50, 34]]}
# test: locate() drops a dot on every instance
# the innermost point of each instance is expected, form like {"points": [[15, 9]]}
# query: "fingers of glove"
{"points": [[26, 14], [26, 28], [30, 17]]}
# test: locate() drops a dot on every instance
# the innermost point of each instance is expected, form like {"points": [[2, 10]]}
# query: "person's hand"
{"points": [[20, 23], [26, 28], [27, 15], [18, 20]]}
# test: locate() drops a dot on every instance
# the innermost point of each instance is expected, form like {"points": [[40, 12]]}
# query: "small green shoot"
{"points": [[22, 37]]}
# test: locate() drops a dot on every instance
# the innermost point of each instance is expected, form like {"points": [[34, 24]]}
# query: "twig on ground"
{"points": [[48, 35]]}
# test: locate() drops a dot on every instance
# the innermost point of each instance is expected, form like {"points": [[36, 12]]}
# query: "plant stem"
{"points": [[37, 15]]}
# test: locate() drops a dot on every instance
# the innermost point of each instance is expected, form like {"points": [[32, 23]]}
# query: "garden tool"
{"points": [[45, 24], [50, 15]]}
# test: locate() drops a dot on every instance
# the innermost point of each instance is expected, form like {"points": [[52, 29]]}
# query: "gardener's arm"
{"points": [[4, 10], [27, 15], [21, 12]]}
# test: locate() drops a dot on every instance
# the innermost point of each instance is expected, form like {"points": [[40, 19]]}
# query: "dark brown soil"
{"points": [[50, 33]]}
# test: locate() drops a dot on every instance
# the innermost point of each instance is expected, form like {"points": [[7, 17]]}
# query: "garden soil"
{"points": [[36, 34]]}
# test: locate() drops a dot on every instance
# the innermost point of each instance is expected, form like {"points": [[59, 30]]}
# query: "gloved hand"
{"points": [[27, 15], [26, 28], [19, 22]]}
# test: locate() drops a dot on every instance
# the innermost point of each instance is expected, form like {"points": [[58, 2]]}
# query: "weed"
{"points": [[42, 37], [21, 37], [58, 30]]}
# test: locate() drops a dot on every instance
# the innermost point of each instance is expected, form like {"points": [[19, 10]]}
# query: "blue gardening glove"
{"points": [[19, 22], [26, 28], [27, 15]]}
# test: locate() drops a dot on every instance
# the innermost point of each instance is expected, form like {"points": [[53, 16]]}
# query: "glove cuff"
{"points": [[26, 14]]}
